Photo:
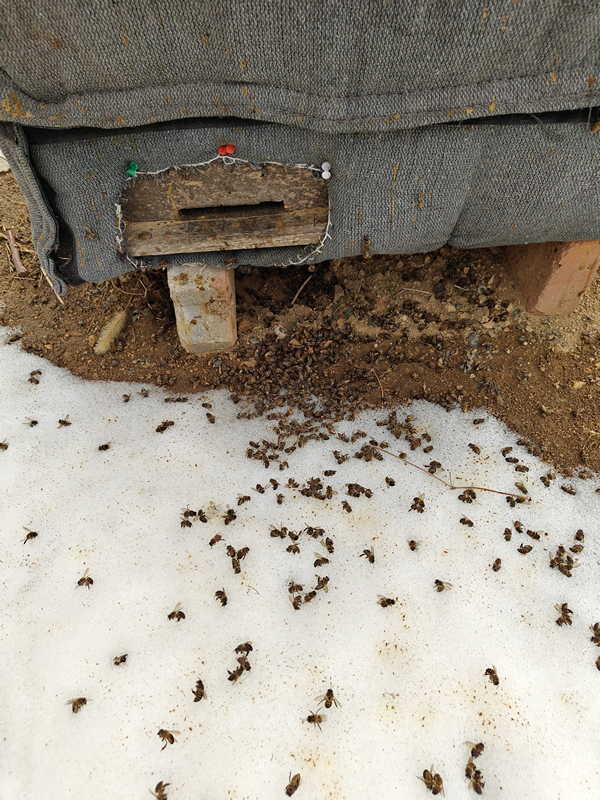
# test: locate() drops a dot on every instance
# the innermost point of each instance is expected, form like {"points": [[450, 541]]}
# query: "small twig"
{"points": [[11, 200], [380, 386], [419, 291], [300, 289], [441, 480], [23, 248], [14, 253]]}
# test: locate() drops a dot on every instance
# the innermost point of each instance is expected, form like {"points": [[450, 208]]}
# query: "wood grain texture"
{"points": [[224, 208]]}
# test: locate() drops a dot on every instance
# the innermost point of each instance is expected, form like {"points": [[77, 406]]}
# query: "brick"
{"points": [[552, 276], [204, 302]]}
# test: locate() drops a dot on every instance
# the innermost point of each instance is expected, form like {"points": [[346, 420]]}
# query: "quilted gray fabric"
{"points": [[328, 65], [404, 97], [409, 191]]}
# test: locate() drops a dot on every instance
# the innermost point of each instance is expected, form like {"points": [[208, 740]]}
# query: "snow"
{"points": [[410, 678]]}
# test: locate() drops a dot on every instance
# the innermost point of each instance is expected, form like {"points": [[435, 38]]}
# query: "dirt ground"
{"points": [[447, 326]]}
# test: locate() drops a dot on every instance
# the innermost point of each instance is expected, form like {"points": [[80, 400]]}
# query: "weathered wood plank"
{"points": [[224, 208]]}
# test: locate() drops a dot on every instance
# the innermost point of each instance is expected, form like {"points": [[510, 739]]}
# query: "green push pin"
{"points": [[132, 168]]}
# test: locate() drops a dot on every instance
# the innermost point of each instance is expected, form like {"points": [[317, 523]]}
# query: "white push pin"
{"points": [[326, 167]]}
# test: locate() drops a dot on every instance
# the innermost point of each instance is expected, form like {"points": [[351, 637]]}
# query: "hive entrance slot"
{"points": [[223, 212]]}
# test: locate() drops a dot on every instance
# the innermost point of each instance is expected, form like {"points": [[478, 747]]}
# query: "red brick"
{"points": [[552, 276]]}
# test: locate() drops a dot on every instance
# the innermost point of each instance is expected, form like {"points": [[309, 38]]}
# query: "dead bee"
{"points": [[327, 544], [260, 489], [294, 536], [470, 768], [245, 665], [466, 521], [144, 393], [493, 675], [428, 449], [30, 534], [221, 596], [241, 554], [104, 446], [292, 484], [316, 719], [328, 699], [476, 749], [369, 555], [329, 472], [477, 783], [467, 496], [292, 548], [568, 489], [185, 523], [177, 614], [320, 560], [418, 504], [343, 438], [521, 468], [206, 405], [545, 480], [179, 399], [245, 648], [293, 588], [242, 498], [475, 449], [187, 512], [497, 564], [211, 418], [168, 737], [32, 422], [595, 629], [579, 536], [507, 534], [524, 549], [4, 445], [384, 602], [231, 551], [441, 586], [235, 675], [63, 423], [160, 790], [390, 482], [235, 563], [164, 425], [533, 535], [280, 499], [84, 580], [198, 692], [565, 615], [478, 421], [346, 506], [433, 781], [339, 457], [518, 526], [511, 460], [120, 659], [278, 533], [201, 516], [216, 538], [310, 596], [77, 704], [296, 602], [229, 516], [433, 466], [322, 583], [293, 785], [274, 484], [126, 398], [413, 545], [521, 487], [505, 451], [35, 372]]}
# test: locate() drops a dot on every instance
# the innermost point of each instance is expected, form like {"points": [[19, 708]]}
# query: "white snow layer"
{"points": [[410, 679]]}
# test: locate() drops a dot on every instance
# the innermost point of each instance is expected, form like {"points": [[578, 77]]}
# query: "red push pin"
{"points": [[226, 149]]}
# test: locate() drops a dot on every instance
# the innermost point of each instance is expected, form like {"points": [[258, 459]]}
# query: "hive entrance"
{"points": [[224, 208]]}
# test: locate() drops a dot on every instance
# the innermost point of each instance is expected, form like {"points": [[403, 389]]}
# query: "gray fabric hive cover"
{"points": [[418, 105]]}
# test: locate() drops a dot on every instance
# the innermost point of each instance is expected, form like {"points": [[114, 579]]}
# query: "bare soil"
{"points": [[448, 326]]}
